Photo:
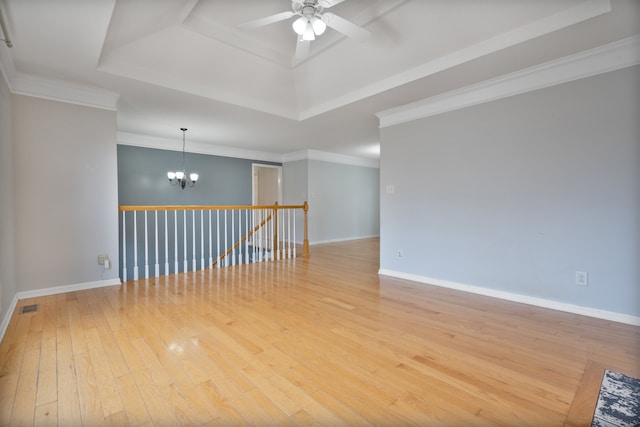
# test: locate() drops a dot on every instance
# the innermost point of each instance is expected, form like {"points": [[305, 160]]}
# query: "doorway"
{"points": [[267, 184]]}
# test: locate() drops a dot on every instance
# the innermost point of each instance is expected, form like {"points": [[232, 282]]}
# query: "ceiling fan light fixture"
{"points": [[318, 25], [300, 25]]}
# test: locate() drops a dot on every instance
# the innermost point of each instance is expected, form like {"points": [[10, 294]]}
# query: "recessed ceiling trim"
{"points": [[237, 39], [558, 21], [610, 57], [178, 83]]}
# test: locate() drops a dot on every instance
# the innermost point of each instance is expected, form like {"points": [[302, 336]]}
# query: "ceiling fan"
{"points": [[312, 21]]}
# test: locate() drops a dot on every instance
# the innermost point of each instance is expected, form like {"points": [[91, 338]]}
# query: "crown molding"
{"points": [[610, 57], [324, 156], [57, 90], [198, 147]]}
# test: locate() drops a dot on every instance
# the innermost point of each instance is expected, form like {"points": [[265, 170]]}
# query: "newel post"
{"points": [[305, 243]]}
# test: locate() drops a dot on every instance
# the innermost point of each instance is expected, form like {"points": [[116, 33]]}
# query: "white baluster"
{"points": [[254, 237], [265, 238], [146, 247], [175, 242], [239, 236], [201, 239], [259, 244], [157, 266], [185, 267], [226, 245], [246, 242], [124, 246], [288, 233], [193, 239], [270, 235], [294, 234], [233, 239], [135, 245], [166, 245], [218, 236], [276, 234], [281, 235], [267, 232], [210, 242], [273, 237]]}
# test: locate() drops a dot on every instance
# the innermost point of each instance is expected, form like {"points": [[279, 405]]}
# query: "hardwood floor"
{"points": [[322, 341]]}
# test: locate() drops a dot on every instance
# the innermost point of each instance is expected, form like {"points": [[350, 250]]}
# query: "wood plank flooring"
{"points": [[324, 341]]}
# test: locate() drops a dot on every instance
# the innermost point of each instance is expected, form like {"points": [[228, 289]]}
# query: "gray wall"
{"points": [[344, 203], [344, 200], [517, 194], [295, 182], [7, 236], [295, 190], [65, 202]]}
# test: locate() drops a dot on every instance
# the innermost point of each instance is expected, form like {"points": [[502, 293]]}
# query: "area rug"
{"points": [[618, 402]]}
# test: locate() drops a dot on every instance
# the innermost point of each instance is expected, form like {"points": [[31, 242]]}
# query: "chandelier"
{"points": [[180, 178]]}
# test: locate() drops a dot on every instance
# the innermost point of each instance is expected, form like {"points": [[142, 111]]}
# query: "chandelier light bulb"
{"points": [[171, 175], [179, 175], [193, 177]]}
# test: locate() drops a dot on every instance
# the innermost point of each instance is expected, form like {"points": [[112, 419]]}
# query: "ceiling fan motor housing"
{"points": [[307, 8]]}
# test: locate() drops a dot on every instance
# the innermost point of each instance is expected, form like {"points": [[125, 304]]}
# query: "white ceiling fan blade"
{"points": [[328, 3], [347, 28], [266, 20], [302, 48]]}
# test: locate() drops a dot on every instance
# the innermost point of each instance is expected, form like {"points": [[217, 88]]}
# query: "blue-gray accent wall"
{"points": [[142, 178], [142, 181]]}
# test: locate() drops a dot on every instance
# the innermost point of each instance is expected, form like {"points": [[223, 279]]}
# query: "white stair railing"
{"points": [[235, 235]]}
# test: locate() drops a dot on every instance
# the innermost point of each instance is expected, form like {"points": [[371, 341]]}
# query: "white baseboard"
{"points": [[347, 239], [509, 296], [50, 291]]}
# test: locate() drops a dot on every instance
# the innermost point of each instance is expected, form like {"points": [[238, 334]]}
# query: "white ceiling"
{"points": [[166, 64]]}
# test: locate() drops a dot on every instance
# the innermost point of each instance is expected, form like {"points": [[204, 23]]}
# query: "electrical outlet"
{"points": [[102, 258], [400, 255], [582, 278]]}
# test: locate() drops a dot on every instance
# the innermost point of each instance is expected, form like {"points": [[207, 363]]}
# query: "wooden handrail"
{"points": [[205, 207]]}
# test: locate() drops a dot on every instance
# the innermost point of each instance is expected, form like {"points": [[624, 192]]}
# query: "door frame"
{"points": [[254, 183]]}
